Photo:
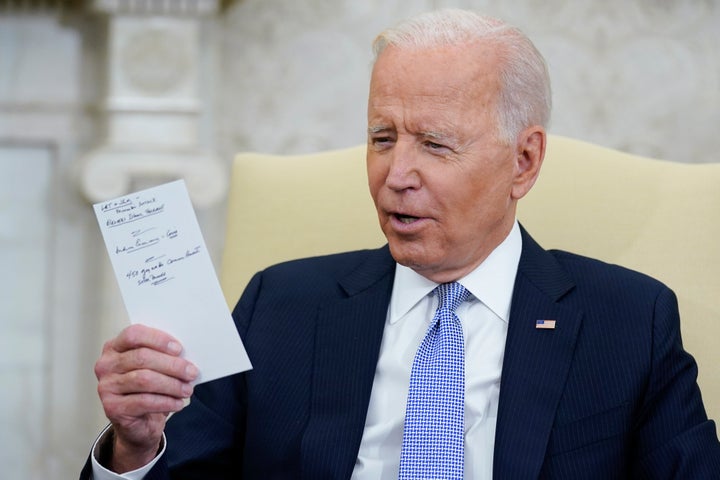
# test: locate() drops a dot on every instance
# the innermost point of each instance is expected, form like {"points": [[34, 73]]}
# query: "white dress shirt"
{"points": [[101, 473], [484, 319]]}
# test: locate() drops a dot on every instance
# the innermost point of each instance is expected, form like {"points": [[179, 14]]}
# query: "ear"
{"points": [[529, 157]]}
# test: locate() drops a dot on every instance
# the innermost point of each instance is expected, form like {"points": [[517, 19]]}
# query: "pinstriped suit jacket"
{"points": [[608, 394]]}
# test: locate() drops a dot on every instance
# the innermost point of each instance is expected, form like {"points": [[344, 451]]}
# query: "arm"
{"points": [[204, 440], [675, 438], [102, 447]]}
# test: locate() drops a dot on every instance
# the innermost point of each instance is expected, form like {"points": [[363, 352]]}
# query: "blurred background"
{"points": [[102, 97]]}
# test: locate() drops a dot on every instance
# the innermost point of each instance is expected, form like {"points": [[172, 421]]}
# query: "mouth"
{"points": [[404, 225], [406, 219]]}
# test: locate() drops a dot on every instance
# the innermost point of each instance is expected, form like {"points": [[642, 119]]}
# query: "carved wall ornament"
{"points": [[154, 110], [156, 60]]}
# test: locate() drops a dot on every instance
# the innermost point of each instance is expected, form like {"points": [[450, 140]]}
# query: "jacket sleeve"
{"points": [[675, 439], [206, 439]]}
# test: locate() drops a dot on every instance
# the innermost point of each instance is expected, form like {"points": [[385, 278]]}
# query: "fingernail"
{"points": [[187, 390], [174, 347], [191, 371]]}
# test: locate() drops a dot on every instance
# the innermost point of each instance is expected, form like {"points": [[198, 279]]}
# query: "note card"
{"points": [[166, 276]]}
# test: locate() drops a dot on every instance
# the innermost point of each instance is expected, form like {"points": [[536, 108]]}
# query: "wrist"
{"points": [[120, 457]]}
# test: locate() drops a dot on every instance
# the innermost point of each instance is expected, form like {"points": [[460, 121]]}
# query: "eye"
{"points": [[381, 141], [435, 147]]}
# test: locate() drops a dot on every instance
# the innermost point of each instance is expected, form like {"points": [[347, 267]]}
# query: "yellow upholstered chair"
{"points": [[659, 217]]}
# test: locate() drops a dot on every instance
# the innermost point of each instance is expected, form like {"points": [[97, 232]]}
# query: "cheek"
{"points": [[376, 173], [476, 204]]}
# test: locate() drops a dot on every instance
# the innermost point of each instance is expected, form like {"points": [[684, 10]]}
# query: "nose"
{"points": [[403, 173]]}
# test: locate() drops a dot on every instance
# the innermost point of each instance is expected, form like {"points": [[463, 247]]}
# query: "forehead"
{"points": [[452, 78]]}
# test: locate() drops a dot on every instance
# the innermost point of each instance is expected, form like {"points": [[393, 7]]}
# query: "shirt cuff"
{"points": [[101, 473]]}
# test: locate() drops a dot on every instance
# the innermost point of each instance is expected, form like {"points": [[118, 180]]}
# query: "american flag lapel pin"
{"points": [[545, 324]]}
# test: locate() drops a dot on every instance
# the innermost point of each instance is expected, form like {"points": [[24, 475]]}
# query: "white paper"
{"points": [[166, 276]]}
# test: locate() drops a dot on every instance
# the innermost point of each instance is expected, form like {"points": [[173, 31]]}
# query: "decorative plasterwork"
{"points": [[153, 110], [158, 7], [110, 173]]}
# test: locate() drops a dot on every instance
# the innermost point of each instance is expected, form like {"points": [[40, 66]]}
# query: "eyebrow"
{"points": [[378, 129], [429, 134], [435, 135]]}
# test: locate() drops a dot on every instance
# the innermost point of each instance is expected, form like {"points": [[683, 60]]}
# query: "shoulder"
{"points": [[600, 282], [595, 270], [562, 274], [305, 283], [325, 275], [332, 266]]}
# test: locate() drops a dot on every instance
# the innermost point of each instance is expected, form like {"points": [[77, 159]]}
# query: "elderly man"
{"points": [[424, 359]]}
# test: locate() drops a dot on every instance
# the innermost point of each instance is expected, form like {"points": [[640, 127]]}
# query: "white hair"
{"points": [[525, 98]]}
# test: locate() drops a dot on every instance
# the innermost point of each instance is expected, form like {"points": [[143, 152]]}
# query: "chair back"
{"points": [[658, 217]]}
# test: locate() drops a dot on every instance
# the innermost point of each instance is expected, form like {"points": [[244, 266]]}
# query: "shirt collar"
{"points": [[491, 282]]}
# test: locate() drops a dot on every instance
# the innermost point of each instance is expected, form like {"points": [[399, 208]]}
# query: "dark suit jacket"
{"points": [[608, 394]]}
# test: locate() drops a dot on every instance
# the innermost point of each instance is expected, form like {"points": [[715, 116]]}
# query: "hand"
{"points": [[141, 380]]}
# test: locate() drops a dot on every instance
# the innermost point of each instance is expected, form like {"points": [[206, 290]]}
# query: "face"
{"points": [[444, 186]]}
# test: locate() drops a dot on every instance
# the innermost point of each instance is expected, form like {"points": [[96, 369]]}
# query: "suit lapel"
{"points": [[348, 336], [536, 363]]}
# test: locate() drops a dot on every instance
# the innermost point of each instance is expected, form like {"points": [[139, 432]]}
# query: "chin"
{"points": [[410, 255]]}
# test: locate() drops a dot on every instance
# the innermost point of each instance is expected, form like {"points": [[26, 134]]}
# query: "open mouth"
{"points": [[405, 218]]}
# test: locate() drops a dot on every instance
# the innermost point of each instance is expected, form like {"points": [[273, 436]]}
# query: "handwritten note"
{"points": [[166, 276]]}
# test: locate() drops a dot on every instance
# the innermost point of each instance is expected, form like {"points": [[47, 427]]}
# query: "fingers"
{"points": [[141, 379], [126, 409], [140, 373], [137, 336], [146, 359], [140, 348]]}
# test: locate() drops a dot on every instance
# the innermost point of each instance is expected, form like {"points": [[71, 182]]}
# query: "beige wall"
{"points": [[638, 75], [274, 76]]}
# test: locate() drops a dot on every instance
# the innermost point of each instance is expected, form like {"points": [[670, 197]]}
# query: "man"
{"points": [[342, 369]]}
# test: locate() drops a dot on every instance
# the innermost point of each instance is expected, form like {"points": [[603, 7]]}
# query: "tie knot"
{"points": [[451, 295]]}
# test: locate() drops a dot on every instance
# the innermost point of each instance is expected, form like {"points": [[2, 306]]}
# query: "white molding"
{"points": [[153, 108], [163, 7], [108, 173]]}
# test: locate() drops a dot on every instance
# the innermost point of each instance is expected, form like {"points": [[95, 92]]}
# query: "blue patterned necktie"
{"points": [[433, 438]]}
